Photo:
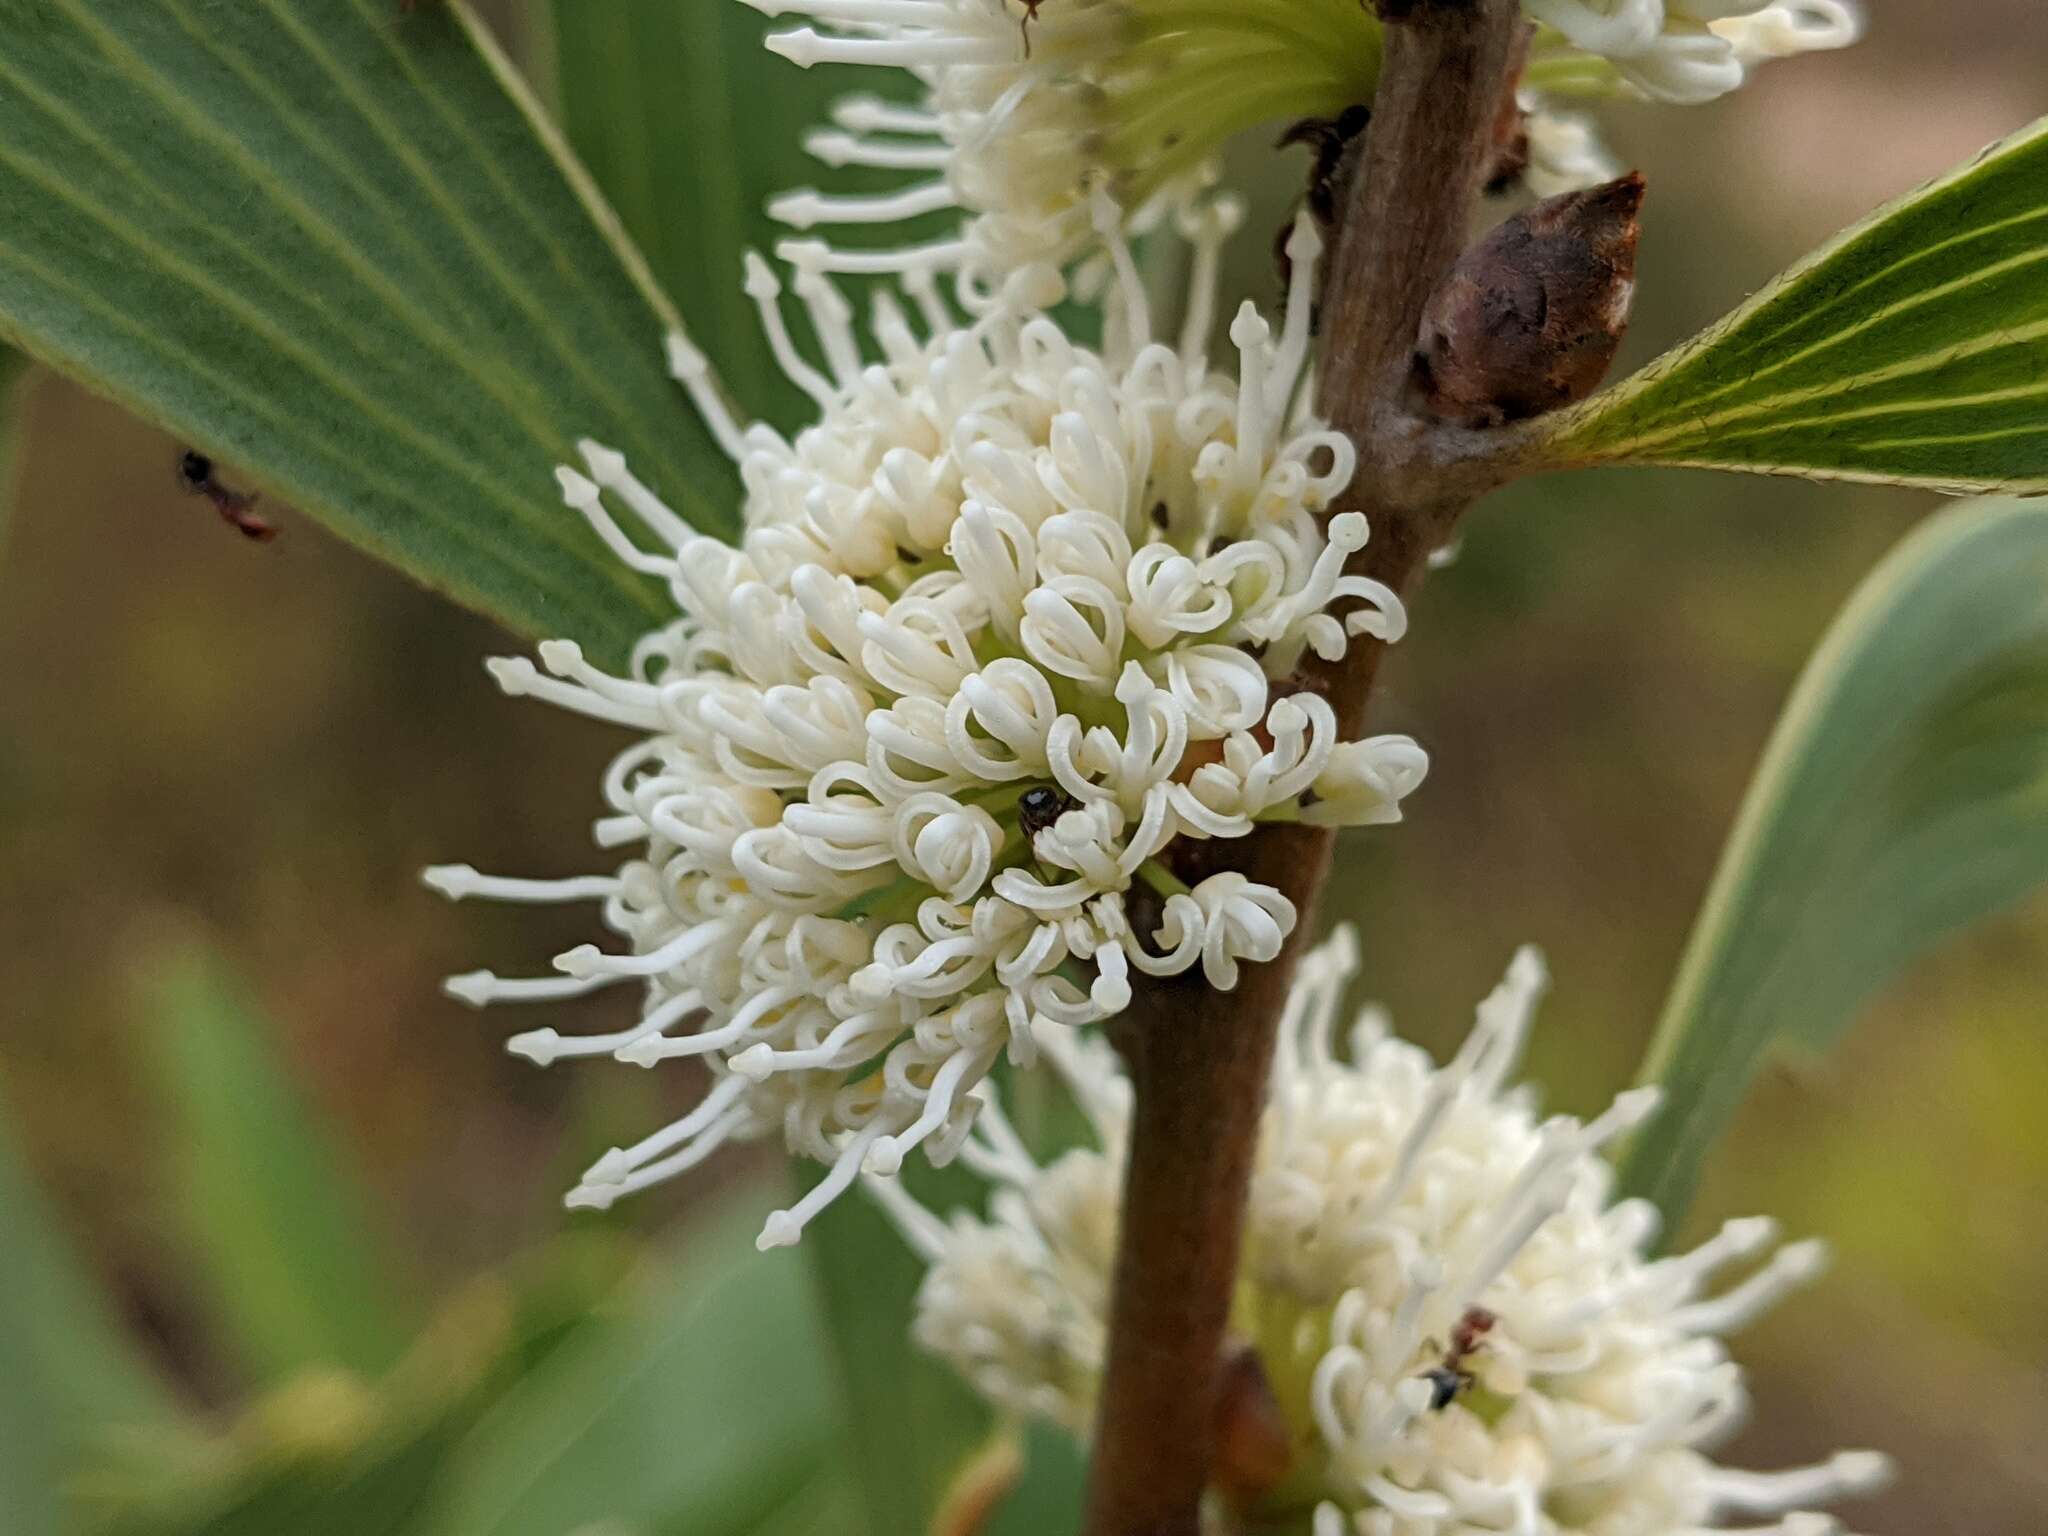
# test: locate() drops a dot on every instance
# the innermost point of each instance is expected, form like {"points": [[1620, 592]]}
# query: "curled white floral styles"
{"points": [[1463, 1333], [1008, 628], [1682, 51], [1025, 106]]}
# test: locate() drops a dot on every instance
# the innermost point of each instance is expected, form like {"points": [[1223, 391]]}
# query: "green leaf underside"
{"points": [[690, 126], [1912, 349], [1904, 795], [328, 241], [287, 1260], [66, 1374]]}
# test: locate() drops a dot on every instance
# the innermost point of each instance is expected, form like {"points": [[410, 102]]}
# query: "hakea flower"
{"points": [[1009, 623], [1566, 153], [1462, 1331], [1028, 104], [1682, 51]]}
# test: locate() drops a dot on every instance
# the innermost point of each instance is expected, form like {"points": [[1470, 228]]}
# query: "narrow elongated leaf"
{"points": [[1051, 1490], [329, 241], [65, 1372], [913, 1422], [702, 1408], [690, 126], [1909, 349], [277, 1228], [1903, 795]]}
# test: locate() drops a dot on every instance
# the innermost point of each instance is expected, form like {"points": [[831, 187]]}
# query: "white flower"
{"points": [[1683, 51], [1465, 1336], [1009, 623], [1029, 105], [1565, 150], [1781, 30]]}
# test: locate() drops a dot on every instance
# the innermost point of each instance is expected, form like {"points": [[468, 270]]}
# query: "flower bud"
{"points": [[1530, 317]]}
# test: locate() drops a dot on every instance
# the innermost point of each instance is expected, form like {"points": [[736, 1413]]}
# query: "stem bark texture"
{"points": [[1199, 1058]]}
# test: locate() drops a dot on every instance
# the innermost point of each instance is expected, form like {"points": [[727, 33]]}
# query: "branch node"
{"points": [[1530, 317]]}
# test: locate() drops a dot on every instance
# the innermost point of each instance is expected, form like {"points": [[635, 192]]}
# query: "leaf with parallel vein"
{"points": [[691, 126], [333, 243], [1904, 795], [1911, 349]]}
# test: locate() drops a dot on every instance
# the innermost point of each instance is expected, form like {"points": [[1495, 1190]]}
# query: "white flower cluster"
{"points": [[1691, 51], [1466, 1337], [1027, 105], [1011, 621]]}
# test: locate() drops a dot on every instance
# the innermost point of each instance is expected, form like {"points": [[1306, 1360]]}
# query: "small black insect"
{"points": [[1039, 808], [1448, 1380], [237, 508], [1444, 1386]]}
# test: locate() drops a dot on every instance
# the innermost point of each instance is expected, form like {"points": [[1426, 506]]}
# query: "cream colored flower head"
{"points": [[1466, 1335], [1027, 105], [1026, 108], [1009, 627]]}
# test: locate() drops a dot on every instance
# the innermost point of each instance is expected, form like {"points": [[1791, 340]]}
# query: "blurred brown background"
{"points": [[264, 743]]}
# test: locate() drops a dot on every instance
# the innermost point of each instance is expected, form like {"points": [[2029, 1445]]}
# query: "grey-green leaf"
{"points": [[914, 1424], [1911, 349], [702, 1407], [690, 126], [331, 242], [286, 1254], [1904, 795]]}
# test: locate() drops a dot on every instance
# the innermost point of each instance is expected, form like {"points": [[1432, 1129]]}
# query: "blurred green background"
{"points": [[222, 765]]}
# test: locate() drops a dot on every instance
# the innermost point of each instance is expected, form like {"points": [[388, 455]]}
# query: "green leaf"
{"points": [[1049, 1495], [1907, 350], [690, 126], [913, 1422], [68, 1375], [331, 242], [286, 1255], [1904, 794], [327, 1454], [701, 1408]]}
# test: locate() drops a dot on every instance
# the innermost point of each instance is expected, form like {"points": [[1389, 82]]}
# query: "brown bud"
{"points": [[1254, 1450], [1531, 316]]}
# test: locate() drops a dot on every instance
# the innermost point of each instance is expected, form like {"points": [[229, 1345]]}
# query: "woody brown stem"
{"points": [[1198, 1058]]}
